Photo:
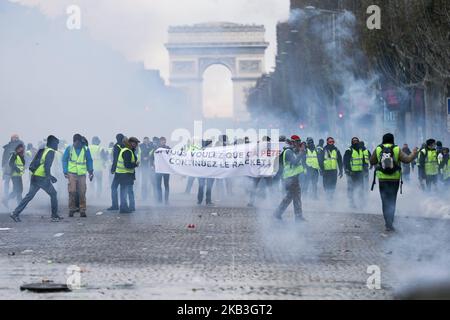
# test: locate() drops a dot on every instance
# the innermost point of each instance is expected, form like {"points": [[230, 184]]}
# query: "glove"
{"points": [[112, 171], [91, 176], [53, 179]]}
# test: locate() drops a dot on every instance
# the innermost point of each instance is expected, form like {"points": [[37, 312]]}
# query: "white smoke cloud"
{"points": [[138, 28]]}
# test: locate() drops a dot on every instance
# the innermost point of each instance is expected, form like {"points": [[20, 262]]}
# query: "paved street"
{"points": [[233, 253]]}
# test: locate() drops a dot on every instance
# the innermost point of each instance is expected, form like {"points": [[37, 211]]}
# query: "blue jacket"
{"points": [[66, 157]]}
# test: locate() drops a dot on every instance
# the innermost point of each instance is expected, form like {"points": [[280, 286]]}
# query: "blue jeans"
{"points": [[114, 192], [126, 191], [37, 184]]}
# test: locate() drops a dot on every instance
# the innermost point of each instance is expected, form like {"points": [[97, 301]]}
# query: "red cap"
{"points": [[295, 138]]}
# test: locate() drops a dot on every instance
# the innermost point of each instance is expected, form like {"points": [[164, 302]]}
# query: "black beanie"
{"points": [[430, 142], [52, 141], [388, 138]]}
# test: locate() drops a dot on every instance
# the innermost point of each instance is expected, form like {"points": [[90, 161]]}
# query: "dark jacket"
{"points": [[128, 178], [348, 157], [329, 149], [116, 150], [49, 159], [8, 149], [145, 154], [12, 163]]}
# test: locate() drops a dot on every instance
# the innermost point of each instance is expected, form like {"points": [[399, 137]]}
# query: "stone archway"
{"points": [[192, 49]]}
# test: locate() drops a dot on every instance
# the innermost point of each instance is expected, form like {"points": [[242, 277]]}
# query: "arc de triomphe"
{"points": [[240, 48]]}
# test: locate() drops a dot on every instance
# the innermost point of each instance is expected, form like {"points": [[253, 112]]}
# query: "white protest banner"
{"points": [[252, 160]]}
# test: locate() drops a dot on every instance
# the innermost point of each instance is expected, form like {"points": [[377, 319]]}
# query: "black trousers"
{"points": [[312, 179], [293, 194], [431, 182], [355, 184], [330, 181], [17, 189], [388, 192], [209, 182], [159, 178], [36, 184]]}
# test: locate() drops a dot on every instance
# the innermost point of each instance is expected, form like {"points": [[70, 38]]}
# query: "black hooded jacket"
{"points": [[116, 150]]}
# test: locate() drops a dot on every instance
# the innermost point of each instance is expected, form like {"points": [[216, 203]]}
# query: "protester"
{"points": [[42, 179], [162, 177], [388, 157]]}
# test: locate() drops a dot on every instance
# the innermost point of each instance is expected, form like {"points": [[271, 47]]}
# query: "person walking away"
{"points": [[162, 177], [16, 171], [420, 168], [126, 174], [354, 170], [445, 168], [406, 167], [293, 164], [115, 183], [312, 169], [99, 157], [8, 150], [77, 162], [146, 148], [208, 182], [330, 162], [388, 158], [366, 167], [429, 161], [41, 178]]}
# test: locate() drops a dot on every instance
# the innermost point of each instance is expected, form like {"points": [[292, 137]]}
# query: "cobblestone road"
{"points": [[233, 253]]}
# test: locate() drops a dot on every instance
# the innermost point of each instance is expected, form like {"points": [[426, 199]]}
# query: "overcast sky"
{"points": [[138, 28], [53, 80]]}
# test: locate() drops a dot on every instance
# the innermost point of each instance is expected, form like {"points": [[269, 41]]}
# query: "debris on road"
{"points": [[57, 235], [99, 213], [214, 214], [203, 253], [45, 287], [27, 251], [11, 254], [191, 226], [5, 229]]}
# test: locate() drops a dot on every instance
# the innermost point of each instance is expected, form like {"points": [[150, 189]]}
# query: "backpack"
{"points": [[36, 162], [387, 163]]}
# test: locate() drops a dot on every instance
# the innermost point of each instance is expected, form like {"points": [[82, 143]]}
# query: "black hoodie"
{"points": [[116, 150]]}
